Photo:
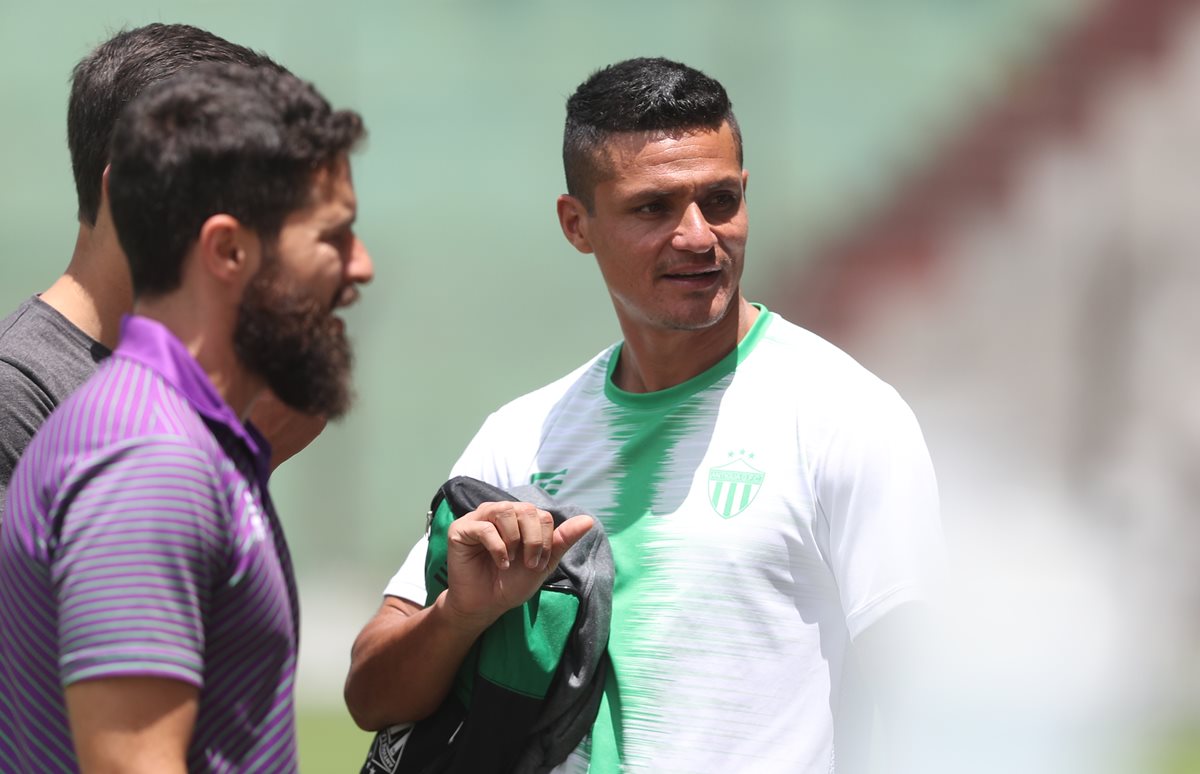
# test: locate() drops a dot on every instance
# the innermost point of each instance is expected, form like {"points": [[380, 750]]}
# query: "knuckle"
{"points": [[490, 508]]}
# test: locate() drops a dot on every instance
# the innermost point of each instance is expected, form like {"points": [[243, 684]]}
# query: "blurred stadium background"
{"points": [[993, 204]]}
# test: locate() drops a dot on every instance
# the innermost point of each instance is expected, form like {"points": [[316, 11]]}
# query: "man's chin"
{"points": [[300, 352], [699, 319], [318, 384], [331, 401]]}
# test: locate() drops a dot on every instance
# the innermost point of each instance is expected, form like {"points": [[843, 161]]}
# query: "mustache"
{"points": [[346, 295], [701, 263]]}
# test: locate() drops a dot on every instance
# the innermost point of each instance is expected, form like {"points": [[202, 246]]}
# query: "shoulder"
{"points": [[582, 384], [42, 351], [123, 407], [103, 483], [14, 319], [23, 408], [510, 437], [842, 414], [816, 370], [16, 350], [148, 467]]}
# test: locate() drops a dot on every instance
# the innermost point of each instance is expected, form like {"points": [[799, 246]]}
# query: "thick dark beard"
{"points": [[295, 344]]}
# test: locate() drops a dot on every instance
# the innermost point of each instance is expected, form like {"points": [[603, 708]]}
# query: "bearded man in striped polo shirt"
{"points": [[53, 341], [149, 604]]}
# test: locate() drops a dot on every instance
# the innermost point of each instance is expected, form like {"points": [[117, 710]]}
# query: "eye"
{"points": [[340, 239], [722, 206], [724, 200], [650, 208]]}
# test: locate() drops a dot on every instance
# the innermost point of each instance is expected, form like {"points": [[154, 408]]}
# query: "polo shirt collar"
{"points": [[152, 344]]}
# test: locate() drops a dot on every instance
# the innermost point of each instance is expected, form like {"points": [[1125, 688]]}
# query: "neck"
{"points": [[207, 334], [95, 291], [655, 359]]}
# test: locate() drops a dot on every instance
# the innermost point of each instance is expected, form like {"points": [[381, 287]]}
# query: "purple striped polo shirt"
{"points": [[140, 540]]}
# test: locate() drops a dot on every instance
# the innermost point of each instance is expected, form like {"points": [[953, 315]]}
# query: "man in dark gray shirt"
{"points": [[52, 342]]}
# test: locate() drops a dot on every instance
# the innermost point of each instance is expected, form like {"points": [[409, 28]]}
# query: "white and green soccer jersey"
{"points": [[760, 515]]}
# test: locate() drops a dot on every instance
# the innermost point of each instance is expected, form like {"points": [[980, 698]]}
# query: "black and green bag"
{"points": [[529, 690]]}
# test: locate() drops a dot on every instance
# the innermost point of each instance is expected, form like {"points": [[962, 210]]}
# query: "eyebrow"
{"points": [[663, 193], [733, 181], [342, 225]]}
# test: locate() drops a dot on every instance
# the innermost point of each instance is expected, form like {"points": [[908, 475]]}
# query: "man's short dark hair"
{"points": [[637, 95], [216, 138], [117, 71]]}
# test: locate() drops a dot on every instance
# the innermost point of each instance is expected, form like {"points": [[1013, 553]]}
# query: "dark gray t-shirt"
{"points": [[43, 359]]}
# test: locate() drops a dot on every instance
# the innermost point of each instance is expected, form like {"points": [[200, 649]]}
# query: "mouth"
{"points": [[695, 277], [345, 297]]}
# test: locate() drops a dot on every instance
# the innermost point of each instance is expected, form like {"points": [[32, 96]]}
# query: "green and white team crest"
{"points": [[734, 485]]}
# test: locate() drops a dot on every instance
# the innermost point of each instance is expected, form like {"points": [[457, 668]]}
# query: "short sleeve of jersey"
{"points": [[140, 543], [24, 407], [409, 581], [479, 459], [876, 488]]}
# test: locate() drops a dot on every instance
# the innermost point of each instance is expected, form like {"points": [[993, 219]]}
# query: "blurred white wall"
{"points": [[1053, 359]]}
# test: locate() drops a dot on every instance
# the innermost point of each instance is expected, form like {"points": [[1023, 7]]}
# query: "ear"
{"points": [[104, 183], [103, 212], [745, 181], [227, 251], [574, 219]]}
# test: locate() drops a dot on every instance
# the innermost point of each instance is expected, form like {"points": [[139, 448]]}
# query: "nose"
{"points": [[359, 269], [693, 234]]}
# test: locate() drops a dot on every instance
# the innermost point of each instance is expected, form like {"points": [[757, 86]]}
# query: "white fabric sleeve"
{"points": [[877, 490], [409, 581], [479, 459]]}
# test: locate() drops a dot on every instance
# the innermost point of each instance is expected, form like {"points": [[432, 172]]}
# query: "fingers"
{"points": [[537, 530], [567, 535], [507, 524], [483, 534], [510, 532]]}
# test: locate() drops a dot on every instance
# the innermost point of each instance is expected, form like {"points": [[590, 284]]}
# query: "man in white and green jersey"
{"points": [[770, 504]]}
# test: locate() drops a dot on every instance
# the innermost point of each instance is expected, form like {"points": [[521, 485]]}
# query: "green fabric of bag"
{"points": [[521, 651]]}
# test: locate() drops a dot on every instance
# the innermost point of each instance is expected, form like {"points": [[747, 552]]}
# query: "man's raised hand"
{"points": [[499, 554]]}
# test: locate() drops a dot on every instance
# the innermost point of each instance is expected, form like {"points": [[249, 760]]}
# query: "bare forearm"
{"points": [[404, 661]]}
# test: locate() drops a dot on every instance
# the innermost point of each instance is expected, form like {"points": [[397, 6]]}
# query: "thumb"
{"points": [[566, 535]]}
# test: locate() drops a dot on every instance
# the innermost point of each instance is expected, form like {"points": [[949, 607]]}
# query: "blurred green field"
{"points": [[1180, 753], [330, 743]]}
